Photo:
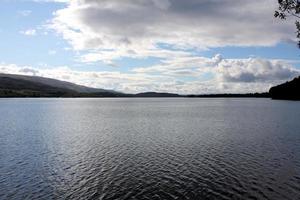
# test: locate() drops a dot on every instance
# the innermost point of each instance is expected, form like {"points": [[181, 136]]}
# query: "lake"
{"points": [[149, 149]]}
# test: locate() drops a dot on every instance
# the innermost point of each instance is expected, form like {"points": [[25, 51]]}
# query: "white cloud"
{"points": [[255, 70], [236, 74], [183, 75], [29, 32], [108, 55], [114, 28], [25, 13]]}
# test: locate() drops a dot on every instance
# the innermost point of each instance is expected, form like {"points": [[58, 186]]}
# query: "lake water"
{"points": [[149, 149]]}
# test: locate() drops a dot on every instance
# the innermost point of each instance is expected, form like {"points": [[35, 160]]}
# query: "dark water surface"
{"points": [[149, 149]]}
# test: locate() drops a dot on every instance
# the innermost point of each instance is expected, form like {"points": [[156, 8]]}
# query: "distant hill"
{"points": [[33, 86], [289, 90], [156, 94], [56, 83]]}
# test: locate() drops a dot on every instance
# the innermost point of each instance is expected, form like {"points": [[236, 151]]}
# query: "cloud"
{"points": [[29, 32], [195, 64], [107, 56], [28, 71], [185, 75], [130, 28], [251, 70], [255, 70], [25, 13]]}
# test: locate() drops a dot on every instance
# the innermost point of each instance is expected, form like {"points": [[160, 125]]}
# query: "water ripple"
{"points": [[149, 149]]}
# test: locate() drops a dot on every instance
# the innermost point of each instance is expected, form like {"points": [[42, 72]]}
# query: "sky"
{"points": [[186, 47]]}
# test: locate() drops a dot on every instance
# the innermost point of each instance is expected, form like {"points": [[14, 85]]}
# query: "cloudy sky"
{"points": [[190, 46]]}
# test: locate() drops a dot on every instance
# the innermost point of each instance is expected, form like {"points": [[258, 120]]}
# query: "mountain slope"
{"points": [[10, 87], [57, 83], [289, 90], [32, 86]]}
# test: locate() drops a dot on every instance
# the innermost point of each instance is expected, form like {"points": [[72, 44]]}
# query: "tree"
{"points": [[289, 8]]}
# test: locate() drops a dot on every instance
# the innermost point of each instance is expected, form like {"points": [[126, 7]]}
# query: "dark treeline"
{"points": [[289, 90], [254, 95], [6, 93]]}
